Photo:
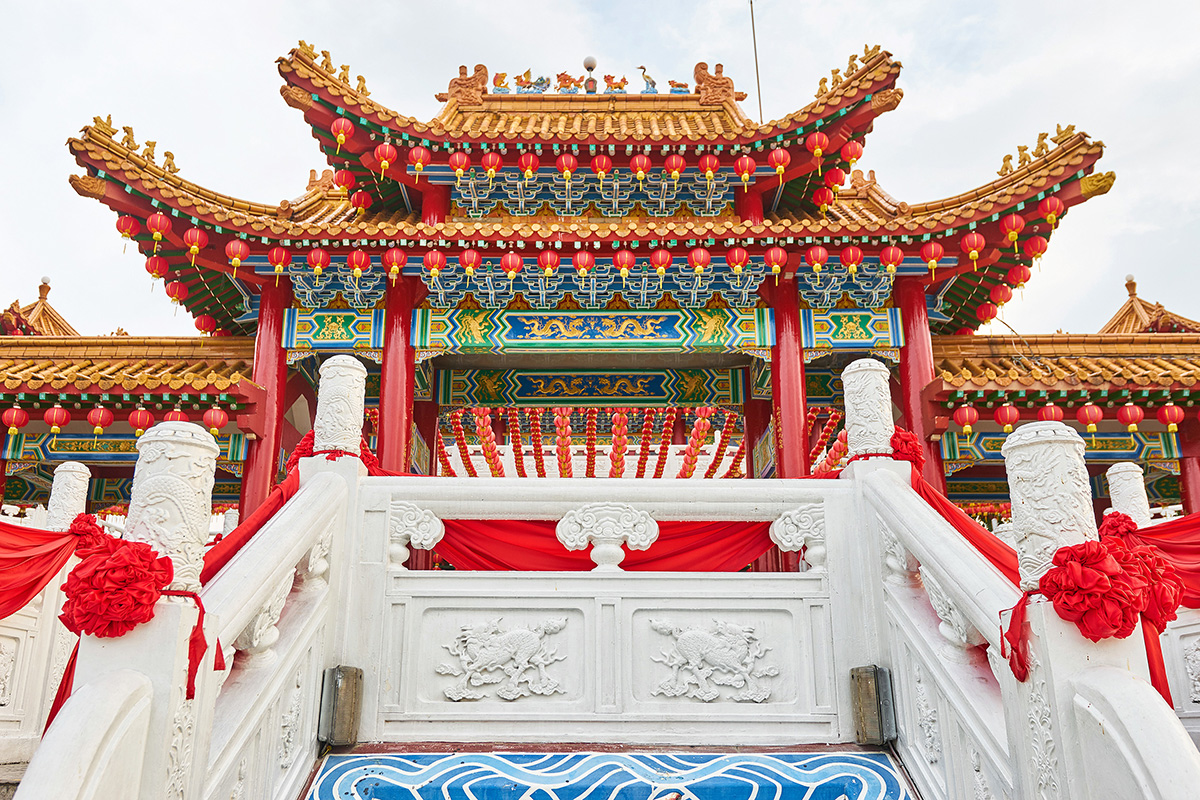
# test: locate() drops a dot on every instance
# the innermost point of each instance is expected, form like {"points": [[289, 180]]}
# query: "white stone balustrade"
{"points": [[606, 526], [68, 495], [411, 525], [869, 425], [1127, 488]]}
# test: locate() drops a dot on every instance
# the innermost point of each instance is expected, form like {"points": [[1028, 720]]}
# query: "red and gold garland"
{"points": [[562, 441], [831, 424], [620, 440], [514, 437], [460, 439], [443, 457], [647, 436], [699, 433], [535, 433], [664, 444], [590, 430], [735, 467], [722, 444], [487, 441]]}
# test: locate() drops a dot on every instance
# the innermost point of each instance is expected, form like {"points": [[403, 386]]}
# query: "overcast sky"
{"points": [[200, 80]]}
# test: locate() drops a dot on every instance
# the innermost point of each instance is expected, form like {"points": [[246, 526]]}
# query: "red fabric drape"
{"points": [[1179, 542], [530, 545], [29, 560], [990, 546], [219, 554]]}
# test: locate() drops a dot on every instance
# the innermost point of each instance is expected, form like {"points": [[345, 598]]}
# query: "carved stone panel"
{"points": [[699, 660], [954, 626], [258, 639], [1191, 662], [606, 526], [170, 504], [410, 524], [516, 657], [340, 399], [8, 668], [869, 425], [68, 495], [803, 528], [1051, 496]]}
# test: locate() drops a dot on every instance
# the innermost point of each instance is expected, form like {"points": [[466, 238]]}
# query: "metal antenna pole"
{"points": [[757, 82]]}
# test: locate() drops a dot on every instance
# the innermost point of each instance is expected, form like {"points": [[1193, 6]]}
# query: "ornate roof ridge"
{"points": [[1136, 315]]}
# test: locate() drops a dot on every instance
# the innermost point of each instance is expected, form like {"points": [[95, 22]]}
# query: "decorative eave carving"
{"points": [[467, 89], [296, 97], [886, 100], [1097, 183], [87, 186]]}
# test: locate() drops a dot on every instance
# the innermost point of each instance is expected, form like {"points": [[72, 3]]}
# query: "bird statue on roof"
{"points": [[650, 84]]}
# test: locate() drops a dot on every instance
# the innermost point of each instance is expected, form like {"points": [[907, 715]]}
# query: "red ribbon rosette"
{"points": [[1089, 586], [114, 588], [1119, 526], [907, 447], [92, 537], [1164, 589]]}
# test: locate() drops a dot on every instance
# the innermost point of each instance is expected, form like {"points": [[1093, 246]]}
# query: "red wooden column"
{"points": [[787, 385], [270, 372], [916, 371], [396, 380], [1189, 465], [425, 414]]}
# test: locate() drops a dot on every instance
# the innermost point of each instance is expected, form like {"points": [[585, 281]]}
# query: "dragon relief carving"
{"points": [[1041, 730], [8, 665], [1191, 661], [703, 659], [338, 424], [89, 186], [869, 425], [518, 658]]}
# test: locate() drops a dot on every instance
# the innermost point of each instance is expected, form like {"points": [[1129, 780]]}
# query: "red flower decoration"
{"points": [[1118, 526], [115, 588], [907, 447], [92, 538], [1164, 589], [1089, 586]]}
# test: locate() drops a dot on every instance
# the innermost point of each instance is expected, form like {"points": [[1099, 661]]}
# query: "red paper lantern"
{"points": [[852, 151], [973, 244], [235, 251], [176, 414], [835, 178], [359, 261], [601, 166], [986, 312], [640, 165], [128, 226], [744, 166], [419, 158], [1011, 226], [566, 164], [850, 258], [816, 143], [493, 162], [737, 258], [177, 292], [583, 261], [965, 417], [342, 130], [816, 257], [460, 162], [361, 201], [674, 165], [891, 257], [1000, 294], [1050, 413], [386, 155], [661, 261], [1130, 415], [547, 261], [215, 418], [344, 179], [709, 164], [1089, 415], [931, 254], [779, 159], [205, 323], [140, 419], [1035, 247], [698, 259], [1006, 416], [14, 419], [1051, 209], [776, 258], [1018, 276], [528, 164], [470, 260], [157, 266], [99, 418], [279, 258], [318, 259], [823, 197], [624, 260], [221, 332], [57, 418], [394, 259], [159, 225], [512, 264], [196, 240], [434, 261], [1170, 415]]}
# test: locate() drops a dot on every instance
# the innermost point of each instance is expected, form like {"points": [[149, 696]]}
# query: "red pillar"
{"points": [[748, 206], [1189, 465], [396, 379], [916, 371], [435, 203], [425, 414], [787, 385], [270, 372]]}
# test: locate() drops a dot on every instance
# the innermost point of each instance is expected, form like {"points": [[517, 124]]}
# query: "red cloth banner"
{"points": [[1178, 541], [531, 545], [29, 560]]}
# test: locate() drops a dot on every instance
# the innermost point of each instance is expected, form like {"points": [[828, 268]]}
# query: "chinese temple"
{"points": [[782, 584]]}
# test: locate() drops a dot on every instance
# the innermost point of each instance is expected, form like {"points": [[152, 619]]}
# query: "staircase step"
{"points": [[829, 775]]}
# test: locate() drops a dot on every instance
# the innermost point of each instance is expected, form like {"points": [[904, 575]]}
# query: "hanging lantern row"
{"points": [[1089, 415]]}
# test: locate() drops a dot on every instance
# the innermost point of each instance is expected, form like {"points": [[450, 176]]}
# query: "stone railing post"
{"points": [[170, 507], [1052, 508], [869, 425], [340, 400], [68, 495], [1127, 488], [606, 526]]}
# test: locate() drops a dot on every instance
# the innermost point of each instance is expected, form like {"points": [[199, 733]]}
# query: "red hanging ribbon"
{"points": [[197, 644]]}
